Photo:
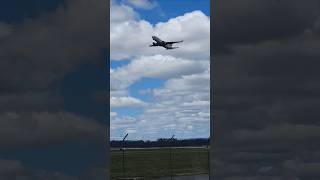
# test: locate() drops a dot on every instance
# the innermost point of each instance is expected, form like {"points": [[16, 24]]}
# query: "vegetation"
{"points": [[155, 162], [162, 143]]}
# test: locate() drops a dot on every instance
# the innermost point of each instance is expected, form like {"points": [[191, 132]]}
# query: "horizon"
{"points": [[127, 139]]}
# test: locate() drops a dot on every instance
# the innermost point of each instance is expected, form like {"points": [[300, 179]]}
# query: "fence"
{"points": [[156, 162]]}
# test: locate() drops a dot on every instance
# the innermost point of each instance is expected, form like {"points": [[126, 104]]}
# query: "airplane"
{"points": [[167, 45]]}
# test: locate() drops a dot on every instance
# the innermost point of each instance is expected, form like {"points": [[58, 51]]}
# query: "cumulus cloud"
{"points": [[118, 102], [157, 66], [118, 92], [143, 4], [44, 49], [113, 114], [37, 54], [121, 13], [45, 128], [266, 90], [120, 124], [182, 104], [192, 27], [180, 107]]}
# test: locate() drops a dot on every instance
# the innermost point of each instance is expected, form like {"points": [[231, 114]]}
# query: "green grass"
{"points": [[152, 163]]}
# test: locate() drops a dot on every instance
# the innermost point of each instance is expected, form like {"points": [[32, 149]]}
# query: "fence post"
{"points": [[123, 169], [170, 148]]}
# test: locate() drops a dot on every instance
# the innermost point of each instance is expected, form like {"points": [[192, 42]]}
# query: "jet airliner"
{"points": [[167, 45]]}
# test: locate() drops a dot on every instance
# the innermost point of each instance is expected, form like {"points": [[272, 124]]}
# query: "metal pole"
{"points": [[123, 169], [171, 170]]}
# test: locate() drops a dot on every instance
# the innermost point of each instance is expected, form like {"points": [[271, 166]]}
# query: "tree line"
{"points": [[162, 142]]}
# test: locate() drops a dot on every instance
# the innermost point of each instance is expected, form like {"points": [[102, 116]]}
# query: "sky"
{"points": [[266, 90], [266, 84], [154, 92], [53, 89]]}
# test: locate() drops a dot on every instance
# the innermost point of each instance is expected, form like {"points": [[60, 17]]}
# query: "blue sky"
{"points": [[136, 89], [169, 9]]}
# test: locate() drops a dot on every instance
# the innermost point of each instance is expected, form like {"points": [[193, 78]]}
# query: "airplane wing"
{"points": [[158, 40], [172, 42], [169, 46]]}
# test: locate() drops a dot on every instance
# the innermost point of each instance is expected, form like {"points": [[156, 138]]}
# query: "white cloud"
{"points": [[119, 125], [143, 4], [38, 128], [113, 114], [118, 102], [182, 105], [157, 66], [59, 42], [119, 93], [121, 13], [131, 36], [183, 109]]}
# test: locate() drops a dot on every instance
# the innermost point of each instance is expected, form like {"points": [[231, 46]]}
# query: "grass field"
{"points": [[153, 163]]}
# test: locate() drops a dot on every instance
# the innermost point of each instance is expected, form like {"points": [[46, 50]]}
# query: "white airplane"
{"points": [[167, 45]]}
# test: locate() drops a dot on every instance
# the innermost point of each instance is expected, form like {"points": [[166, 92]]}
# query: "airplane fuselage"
{"points": [[159, 42]]}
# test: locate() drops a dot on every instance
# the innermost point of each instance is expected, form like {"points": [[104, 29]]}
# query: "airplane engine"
{"points": [[154, 43]]}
